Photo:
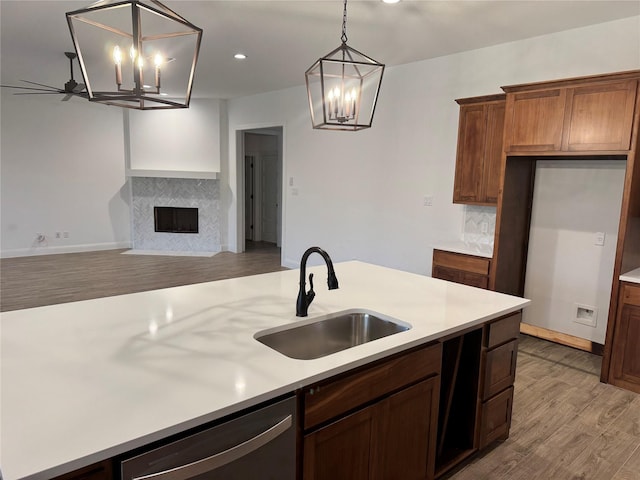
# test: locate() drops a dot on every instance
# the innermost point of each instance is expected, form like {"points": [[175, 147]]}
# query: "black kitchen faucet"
{"points": [[305, 298]]}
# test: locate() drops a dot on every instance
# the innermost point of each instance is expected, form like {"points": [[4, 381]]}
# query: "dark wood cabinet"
{"points": [[461, 268], [497, 375], [388, 440], [534, 121], [97, 471], [574, 117], [378, 422], [476, 394], [625, 357], [600, 117], [495, 418], [480, 132]]}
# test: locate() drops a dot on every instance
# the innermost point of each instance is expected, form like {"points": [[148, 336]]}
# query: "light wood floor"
{"points": [[566, 424], [49, 279]]}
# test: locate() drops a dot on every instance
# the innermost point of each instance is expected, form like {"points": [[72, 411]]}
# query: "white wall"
{"points": [[182, 140], [62, 170], [360, 195], [573, 201]]}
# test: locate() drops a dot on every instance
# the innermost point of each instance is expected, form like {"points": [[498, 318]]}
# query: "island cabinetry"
{"points": [[585, 116], [498, 373], [480, 132], [461, 268], [378, 422], [625, 359], [476, 394]]}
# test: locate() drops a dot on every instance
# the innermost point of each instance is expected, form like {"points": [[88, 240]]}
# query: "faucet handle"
{"points": [[310, 294]]}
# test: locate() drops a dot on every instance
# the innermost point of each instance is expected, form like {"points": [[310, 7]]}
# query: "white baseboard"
{"points": [[89, 247]]}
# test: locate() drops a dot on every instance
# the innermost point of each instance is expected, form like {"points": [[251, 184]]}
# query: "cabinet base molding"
{"points": [[562, 338]]}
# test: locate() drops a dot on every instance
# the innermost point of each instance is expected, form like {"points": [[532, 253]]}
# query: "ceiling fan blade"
{"points": [[40, 84], [32, 88], [40, 93]]}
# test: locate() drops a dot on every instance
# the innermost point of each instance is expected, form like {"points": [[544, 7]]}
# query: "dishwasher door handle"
{"points": [[213, 462]]}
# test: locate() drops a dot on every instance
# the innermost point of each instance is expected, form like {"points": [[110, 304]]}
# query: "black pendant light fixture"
{"points": [[135, 54], [343, 87]]}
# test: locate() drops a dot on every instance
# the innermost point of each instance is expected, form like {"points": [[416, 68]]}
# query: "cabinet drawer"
{"points": [[500, 368], [631, 295], [459, 261], [475, 280], [503, 330], [329, 399], [495, 418]]}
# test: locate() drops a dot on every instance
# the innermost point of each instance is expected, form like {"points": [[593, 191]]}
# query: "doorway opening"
{"points": [[262, 216]]}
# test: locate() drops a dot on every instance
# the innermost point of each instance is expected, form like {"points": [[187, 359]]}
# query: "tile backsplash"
{"points": [[479, 224]]}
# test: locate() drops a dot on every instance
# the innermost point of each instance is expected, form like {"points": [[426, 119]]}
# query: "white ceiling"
{"points": [[283, 38]]}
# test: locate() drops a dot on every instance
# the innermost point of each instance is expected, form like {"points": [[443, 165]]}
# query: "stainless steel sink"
{"points": [[331, 334]]}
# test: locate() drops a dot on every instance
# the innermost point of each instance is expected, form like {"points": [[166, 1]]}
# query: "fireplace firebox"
{"points": [[176, 219]]}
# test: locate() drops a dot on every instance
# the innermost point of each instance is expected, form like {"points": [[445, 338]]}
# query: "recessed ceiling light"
{"points": [[390, 1], [239, 56]]}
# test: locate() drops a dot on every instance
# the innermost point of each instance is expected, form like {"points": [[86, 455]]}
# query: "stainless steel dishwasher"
{"points": [[260, 445]]}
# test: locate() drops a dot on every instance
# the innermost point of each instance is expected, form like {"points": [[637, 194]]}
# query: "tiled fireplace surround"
{"points": [[149, 192]]}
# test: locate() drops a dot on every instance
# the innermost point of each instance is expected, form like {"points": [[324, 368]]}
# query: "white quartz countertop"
{"points": [[467, 248], [84, 381], [633, 276]]}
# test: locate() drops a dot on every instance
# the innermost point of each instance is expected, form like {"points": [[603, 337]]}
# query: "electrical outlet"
{"points": [[599, 240], [65, 234], [428, 201], [58, 235]]}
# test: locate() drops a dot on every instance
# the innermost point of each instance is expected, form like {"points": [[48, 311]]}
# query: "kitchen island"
{"points": [[86, 381]]}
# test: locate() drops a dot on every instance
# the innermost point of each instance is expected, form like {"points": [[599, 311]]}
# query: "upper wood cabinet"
{"points": [[600, 117], [585, 115], [479, 150]]}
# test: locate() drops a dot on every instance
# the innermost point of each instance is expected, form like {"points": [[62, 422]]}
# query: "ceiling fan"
{"points": [[70, 88]]}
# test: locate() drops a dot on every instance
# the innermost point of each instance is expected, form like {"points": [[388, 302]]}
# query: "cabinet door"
{"points": [[600, 117], [499, 368], [534, 121], [404, 444], [495, 418], [391, 439], [470, 155], [493, 152], [625, 357], [341, 450]]}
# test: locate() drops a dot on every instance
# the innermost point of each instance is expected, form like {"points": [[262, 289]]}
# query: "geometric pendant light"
{"points": [[135, 54], [343, 87]]}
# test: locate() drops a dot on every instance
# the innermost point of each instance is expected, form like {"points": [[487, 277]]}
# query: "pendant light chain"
{"points": [[344, 23]]}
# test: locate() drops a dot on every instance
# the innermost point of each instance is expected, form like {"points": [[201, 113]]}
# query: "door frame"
{"points": [[239, 133]]}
